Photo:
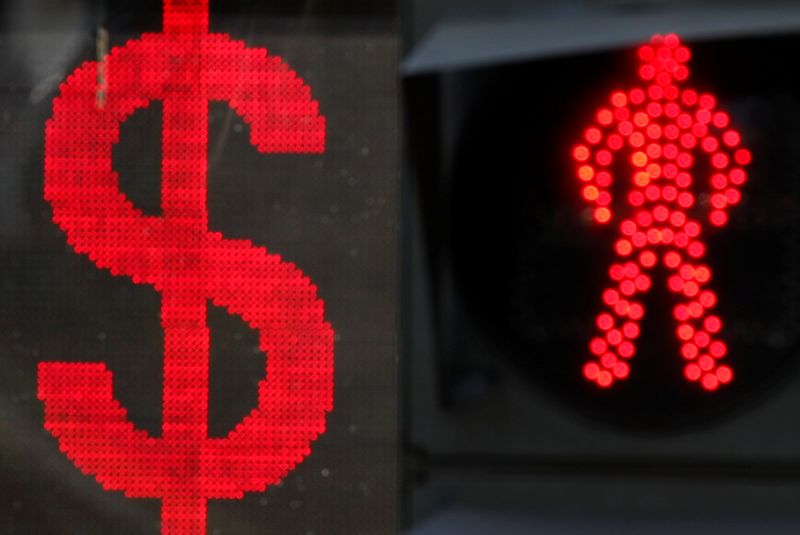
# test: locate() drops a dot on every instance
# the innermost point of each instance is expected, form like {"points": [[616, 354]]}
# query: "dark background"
{"points": [[334, 215]]}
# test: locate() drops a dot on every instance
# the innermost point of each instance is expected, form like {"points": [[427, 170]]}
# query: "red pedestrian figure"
{"points": [[662, 129]]}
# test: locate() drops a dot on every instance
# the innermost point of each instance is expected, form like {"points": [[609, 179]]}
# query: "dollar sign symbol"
{"points": [[185, 67]]}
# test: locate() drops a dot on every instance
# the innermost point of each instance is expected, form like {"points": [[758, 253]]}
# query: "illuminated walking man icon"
{"points": [[662, 130]]}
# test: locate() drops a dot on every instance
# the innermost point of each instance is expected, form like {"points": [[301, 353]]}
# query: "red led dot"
{"points": [[641, 178], [611, 297], [604, 158], [614, 337], [696, 249], [712, 324], [604, 379], [742, 156], [685, 332], [671, 131], [707, 102], [637, 96], [689, 351], [593, 135], [602, 214], [646, 53], [677, 218], [719, 181], [608, 360], [700, 130], [639, 239], [690, 289], [636, 139], [702, 339], [681, 73], [654, 110], [724, 374], [603, 179], [703, 116], [631, 269], [605, 321], [636, 312], [605, 117], [686, 199], [733, 196], [718, 218], [681, 312], [692, 372], [721, 119], [710, 144], [720, 160], [652, 192], [639, 159], [653, 150], [710, 382], [598, 346], [687, 272], [626, 350], [660, 213], [692, 229], [689, 97], [675, 283], [670, 193], [636, 198], [738, 177], [641, 119], [672, 40], [654, 170], [671, 92], [717, 349], [590, 193], [615, 142], [685, 160], [708, 298], [627, 288], [625, 128], [683, 180], [672, 259], [719, 201], [624, 247], [631, 330], [647, 259], [585, 172], [591, 371], [655, 92], [621, 370], [688, 141], [670, 170], [617, 272], [702, 274], [731, 138], [604, 198], [706, 363], [642, 283], [644, 218], [695, 309], [622, 307], [654, 236], [622, 114], [628, 227], [619, 99], [681, 239]]}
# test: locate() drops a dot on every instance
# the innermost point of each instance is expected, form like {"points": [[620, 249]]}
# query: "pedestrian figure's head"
{"points": [[663, 61]]}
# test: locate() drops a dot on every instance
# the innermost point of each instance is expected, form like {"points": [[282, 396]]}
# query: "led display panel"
{"points": [[625, 226], [198, 271]]}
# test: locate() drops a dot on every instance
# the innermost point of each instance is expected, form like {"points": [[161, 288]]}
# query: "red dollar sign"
{"points": [[185, 67], [663, 128]]}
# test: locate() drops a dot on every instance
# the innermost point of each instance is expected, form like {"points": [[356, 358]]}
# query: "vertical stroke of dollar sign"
{"points": [[185, 67]]}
